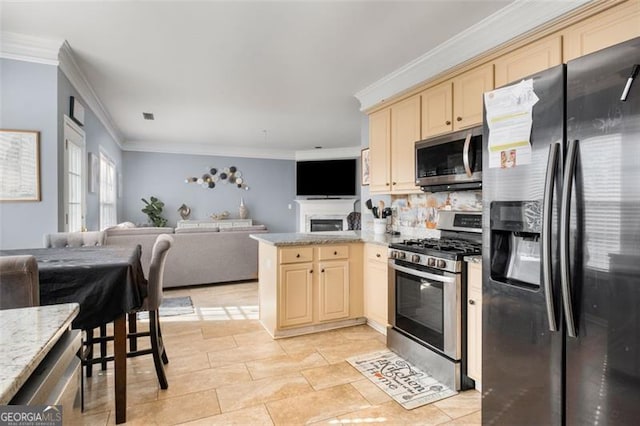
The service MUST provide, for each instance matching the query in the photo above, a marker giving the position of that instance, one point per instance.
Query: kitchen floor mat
(172, 306)
(403, 382)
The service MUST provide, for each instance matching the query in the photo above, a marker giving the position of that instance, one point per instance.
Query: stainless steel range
(427, 308)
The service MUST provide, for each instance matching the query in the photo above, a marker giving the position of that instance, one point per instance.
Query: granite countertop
(338, 237)
(27, 335)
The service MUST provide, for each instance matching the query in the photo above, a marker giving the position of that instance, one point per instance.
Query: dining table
(107, 282)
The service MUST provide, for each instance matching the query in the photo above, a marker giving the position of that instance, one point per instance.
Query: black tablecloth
(106, 281)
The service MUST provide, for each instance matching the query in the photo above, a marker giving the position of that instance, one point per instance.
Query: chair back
(75, 239)
(19, 283)
(156, 270)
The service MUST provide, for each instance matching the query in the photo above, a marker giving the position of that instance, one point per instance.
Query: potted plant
(153, 209)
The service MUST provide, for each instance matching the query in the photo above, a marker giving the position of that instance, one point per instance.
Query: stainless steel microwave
(450, 162)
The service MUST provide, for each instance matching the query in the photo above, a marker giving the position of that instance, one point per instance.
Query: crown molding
(515, 19)
(328, 154)
(69, 66)
(22, 47)
(207, 149)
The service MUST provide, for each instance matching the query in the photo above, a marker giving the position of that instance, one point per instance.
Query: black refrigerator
(561, 250)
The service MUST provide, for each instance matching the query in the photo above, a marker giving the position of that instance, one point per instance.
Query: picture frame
(94, 172)
(76, 111)
(365, 176)
(20, 165)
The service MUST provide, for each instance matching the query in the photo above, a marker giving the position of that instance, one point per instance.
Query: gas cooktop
(448, 245)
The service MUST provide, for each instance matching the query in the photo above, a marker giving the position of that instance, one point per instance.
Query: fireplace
(324, 215)
(323, 225)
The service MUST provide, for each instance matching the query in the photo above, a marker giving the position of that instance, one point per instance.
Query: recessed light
(148, 116)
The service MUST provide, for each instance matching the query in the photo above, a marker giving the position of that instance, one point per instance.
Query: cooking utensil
(369, 204)
(386, 212)
(380, 206)
(375, 212)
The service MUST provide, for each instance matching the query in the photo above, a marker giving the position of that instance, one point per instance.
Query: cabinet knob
(311, 271)
(472, 302)
(394, 183)
(377, 254)
(322, 271)
(335, 253)
(458, 118)
(298, 255)
(387, 184)
(448, 122)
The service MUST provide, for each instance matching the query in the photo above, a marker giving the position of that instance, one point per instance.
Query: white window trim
(71, 126)
(105, 156)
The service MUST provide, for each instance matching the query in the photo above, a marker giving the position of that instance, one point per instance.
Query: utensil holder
(379, 226)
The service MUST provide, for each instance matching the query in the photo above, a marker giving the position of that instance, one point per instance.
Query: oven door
(426, 306)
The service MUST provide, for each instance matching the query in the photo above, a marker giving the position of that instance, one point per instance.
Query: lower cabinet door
(296, 295)
(333, 290)
(376, 284)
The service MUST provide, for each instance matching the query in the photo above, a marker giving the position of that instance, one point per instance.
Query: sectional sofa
(198, 255)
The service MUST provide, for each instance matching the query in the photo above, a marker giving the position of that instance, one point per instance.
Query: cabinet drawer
(375, 253)
(333, 252)
(296, 254)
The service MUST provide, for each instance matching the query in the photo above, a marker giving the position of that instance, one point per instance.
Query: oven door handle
(421, 274)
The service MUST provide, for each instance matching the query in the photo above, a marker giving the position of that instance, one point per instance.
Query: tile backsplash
(417, 214)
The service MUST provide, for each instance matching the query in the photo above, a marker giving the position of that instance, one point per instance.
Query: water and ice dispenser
(515, 242)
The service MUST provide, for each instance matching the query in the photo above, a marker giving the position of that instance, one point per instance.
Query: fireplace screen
(320, 225)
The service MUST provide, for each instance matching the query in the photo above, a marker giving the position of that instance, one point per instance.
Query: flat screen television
(326, 178)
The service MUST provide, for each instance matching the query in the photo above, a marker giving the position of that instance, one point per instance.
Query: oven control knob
(431, 262)
(441, 263)
(415, 258)
(393, 254)
(401, 255)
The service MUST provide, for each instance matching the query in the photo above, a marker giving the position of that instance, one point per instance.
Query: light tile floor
(225, 369)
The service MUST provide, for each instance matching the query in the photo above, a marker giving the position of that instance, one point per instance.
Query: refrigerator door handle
(565, 215)
(627, 87)
(465, 155)
(547, 211)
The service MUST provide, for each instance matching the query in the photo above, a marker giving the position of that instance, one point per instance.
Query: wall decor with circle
(212, 177)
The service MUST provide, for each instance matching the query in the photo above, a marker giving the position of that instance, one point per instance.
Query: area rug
(172, 306)
(403, 382)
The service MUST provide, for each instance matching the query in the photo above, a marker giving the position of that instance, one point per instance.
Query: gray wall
(28, 101)
(271, 183)
(96, 138)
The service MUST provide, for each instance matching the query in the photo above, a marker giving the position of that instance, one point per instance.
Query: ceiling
(244, 76)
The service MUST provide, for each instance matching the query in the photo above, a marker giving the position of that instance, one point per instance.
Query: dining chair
(19, 282)
(83, 239)
(75, 239)
(151, 304)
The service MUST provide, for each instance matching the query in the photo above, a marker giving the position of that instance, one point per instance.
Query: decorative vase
(243, 210)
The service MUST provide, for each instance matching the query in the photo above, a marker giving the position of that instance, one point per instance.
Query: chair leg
(165, 359)
(89, 352)
(157, 350)
(133, 328)
(103, 346)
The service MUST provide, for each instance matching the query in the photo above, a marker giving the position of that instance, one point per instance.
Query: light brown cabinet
(474, 322)
(392, 134)
(455, 104)
(530, 59)
(376, 286)
(306, 287)
(605, 29)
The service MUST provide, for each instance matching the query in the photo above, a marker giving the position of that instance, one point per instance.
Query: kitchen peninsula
(313, 282)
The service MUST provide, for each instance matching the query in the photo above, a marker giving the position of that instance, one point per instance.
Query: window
(108, 212)
(74, 177)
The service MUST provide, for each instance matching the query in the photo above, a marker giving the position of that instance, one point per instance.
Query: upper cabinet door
(405, 131)
(528, 60)
(605, 29)
(468, 89)
(379, 150)
(437, 109)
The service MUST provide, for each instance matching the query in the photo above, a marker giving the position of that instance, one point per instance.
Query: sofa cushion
(244, 228)
(194, 230)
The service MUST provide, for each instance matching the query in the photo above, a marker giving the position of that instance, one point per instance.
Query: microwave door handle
(565, 215)
(465, 154)
(547, 211)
